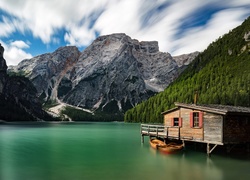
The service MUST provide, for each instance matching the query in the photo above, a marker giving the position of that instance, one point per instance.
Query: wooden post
(167, 133)
(183, 143)
(179, 134)
(208, 150)
(142, 138)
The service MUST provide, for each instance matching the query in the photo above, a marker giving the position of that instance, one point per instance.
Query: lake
(107, 151)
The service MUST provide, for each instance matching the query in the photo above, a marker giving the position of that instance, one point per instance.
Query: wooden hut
(211, 124)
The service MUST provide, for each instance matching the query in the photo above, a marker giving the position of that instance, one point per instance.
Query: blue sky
(33, 27)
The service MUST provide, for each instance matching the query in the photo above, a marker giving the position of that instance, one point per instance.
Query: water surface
(102, 151)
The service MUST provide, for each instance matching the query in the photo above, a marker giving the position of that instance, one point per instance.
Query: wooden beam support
(213, 148)
(209, 151)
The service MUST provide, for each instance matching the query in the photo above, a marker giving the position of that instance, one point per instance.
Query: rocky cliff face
(185, 59)
(3, 69)
(18, 98)
(46, 71)
(114, 70)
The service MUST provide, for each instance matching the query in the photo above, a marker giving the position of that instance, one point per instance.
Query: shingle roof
(215, 108)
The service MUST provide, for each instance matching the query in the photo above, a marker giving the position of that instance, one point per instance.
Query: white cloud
(6, 27)
(197, 39)
(141, 19)
(14, 52)
(45, 18)
(122, 16)
(79, 35)
(19, 44)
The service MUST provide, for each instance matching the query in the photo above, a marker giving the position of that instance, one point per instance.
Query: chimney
(195, 97)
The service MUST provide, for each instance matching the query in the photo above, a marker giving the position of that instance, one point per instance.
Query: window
(176, 121)
(196, 119)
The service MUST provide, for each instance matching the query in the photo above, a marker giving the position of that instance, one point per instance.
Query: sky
(32, 27)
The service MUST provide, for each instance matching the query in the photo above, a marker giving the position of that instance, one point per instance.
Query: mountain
(18, 98)
(46, 71)
(113, 74)
(219, 75)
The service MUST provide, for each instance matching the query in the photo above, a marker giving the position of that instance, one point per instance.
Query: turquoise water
(106, 151)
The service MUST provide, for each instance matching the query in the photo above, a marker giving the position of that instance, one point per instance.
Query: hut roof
(214, 108)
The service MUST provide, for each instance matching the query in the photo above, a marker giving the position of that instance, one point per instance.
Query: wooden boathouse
(211, 124)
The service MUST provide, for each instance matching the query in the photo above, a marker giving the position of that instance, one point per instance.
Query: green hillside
(220, 75)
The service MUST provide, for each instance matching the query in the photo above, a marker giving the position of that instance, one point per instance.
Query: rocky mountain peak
(47, 70)
(115, 72)
(113, 41)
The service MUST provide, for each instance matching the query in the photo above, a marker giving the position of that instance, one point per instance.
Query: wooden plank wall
(213, 127)
(236, 129)
(186, 131)
(167, 117)
(173, 132)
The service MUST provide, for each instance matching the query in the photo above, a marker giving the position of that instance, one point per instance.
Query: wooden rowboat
(169, 148)
(156, 143)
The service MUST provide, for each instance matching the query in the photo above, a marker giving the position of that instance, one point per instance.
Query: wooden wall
(186, 132)
(174, 131)
(236, 129)
(213, 127)
(167, 117)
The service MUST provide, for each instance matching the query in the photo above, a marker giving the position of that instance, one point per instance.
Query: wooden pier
(170, 133)
(160, 131)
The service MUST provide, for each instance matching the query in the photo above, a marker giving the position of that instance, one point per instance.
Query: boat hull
(170, 148)
(156, 143)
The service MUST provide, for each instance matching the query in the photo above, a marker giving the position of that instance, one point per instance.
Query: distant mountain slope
(18, 97)
(220, 75)
(113, 74)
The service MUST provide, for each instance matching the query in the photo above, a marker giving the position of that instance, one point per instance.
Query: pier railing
(160, 131)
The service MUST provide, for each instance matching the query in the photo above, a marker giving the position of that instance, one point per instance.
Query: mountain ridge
(114, 69)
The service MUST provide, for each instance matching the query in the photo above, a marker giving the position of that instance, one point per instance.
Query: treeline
(220, 75)
(79, 115)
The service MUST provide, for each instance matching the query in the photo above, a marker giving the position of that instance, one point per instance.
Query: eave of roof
(202, 108)
(170, 110)
(213, 108)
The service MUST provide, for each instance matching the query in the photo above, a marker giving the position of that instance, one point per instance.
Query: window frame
(196, 119)
(174, 122)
